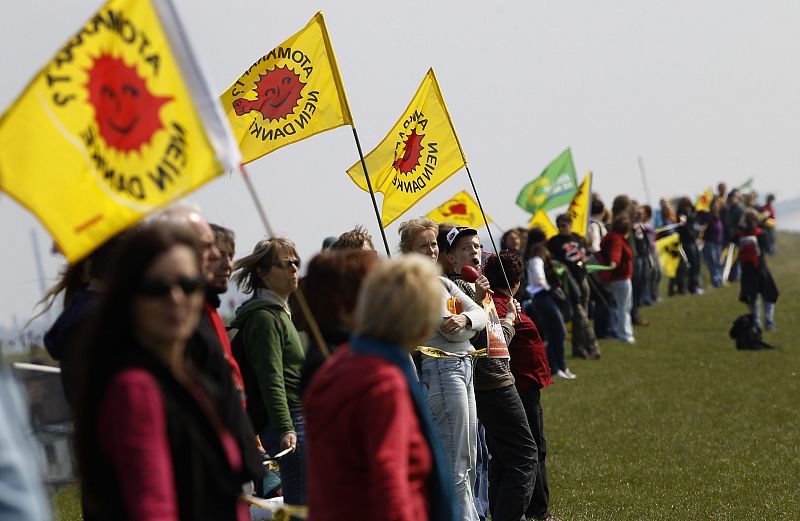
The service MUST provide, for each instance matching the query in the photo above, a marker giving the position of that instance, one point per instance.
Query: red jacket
(616, 249)
(367, 457)
(528, 357)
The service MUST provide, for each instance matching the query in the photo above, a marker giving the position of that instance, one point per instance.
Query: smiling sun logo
(278, 92)
(126, 112)
(407, 156)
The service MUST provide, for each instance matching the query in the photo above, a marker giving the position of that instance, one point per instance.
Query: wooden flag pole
(316, 334)
(486, 222)
(371, 191)
(644, 181)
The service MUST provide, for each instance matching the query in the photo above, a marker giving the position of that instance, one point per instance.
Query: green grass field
(682, 425)
(679, 426)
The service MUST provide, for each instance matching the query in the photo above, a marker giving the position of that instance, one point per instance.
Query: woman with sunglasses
(150, 439)
(271, 357)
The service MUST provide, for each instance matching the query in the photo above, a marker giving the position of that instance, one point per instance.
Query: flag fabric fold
(461, 209)
(542, 221)
(291, 93)
(554, 187)
(119, 123)
(420, 152)
(580, 207)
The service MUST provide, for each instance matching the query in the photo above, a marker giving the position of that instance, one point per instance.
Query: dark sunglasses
(163, 287)
(287, 263)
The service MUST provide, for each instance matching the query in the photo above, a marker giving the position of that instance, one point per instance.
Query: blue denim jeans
(293, 465)
(448, 382)
(712, 253)
(622, 293)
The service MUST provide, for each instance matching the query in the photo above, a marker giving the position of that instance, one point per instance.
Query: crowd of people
(368, 381)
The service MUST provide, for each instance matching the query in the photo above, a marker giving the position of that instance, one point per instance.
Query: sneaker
(560, 375)
(569, 374)
(770, 326)
(698, 291)
(629, 340)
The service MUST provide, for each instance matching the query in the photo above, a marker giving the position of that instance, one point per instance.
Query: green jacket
(274, 357)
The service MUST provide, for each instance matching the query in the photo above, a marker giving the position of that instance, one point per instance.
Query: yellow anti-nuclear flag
(703, 203)
(291, 93)
(419, 153)
(579, 207)
(119, 123)
(670, 253)
(542, 221)
(461, 210)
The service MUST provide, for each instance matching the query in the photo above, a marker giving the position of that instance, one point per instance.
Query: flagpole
(301, 299)
(486, 222)
(371, 191)
(644, 181)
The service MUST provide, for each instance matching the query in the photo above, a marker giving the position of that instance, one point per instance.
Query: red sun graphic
(277, 94)
(411, 152)
(125, 110)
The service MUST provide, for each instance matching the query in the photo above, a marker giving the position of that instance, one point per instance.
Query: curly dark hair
(512, 263)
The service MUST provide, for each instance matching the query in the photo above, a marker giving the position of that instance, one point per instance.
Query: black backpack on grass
(747, 334)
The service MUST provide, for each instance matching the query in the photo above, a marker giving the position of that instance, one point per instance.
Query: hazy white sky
(703, 91)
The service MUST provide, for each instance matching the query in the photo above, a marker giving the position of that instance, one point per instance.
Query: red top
(367, 457)
(528, 357)
(222, 335)
(132, 428)
(616, 249)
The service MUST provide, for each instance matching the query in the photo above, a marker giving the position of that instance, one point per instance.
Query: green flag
(746, 186)
(554, 187)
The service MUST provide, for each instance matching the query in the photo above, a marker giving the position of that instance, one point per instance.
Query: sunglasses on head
(158, 287)
(287, 263)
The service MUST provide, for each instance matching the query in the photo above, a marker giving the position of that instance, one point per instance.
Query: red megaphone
(469, 273)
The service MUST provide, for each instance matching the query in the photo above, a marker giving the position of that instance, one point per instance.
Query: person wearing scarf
(373, 450)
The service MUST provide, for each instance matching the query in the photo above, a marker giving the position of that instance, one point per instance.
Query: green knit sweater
(276, 354)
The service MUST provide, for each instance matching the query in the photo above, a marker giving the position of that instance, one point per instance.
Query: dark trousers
(639, 284)
(693, 269)
(539, 506)
(513, 452)
(548, 319)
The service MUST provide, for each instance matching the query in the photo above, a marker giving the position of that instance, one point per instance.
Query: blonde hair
(410, 229)
(400, 301)
(265, 254)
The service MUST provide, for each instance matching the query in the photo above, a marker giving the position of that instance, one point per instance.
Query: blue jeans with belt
(448, 382)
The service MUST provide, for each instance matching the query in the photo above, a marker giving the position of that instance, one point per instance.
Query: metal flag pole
(644, 181)
(371, 191)
(486, 222)
(316, 334)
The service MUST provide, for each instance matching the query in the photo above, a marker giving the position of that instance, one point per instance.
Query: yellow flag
(542, 221)
(461, 210)
(291, 93)
(703, 203)
(670, 253)
(119, 123)
(579, 207)
(418, 154)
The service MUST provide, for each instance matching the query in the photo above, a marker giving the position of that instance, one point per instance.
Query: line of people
(384, 405)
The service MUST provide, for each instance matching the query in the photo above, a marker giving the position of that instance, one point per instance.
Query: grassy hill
(681, 425)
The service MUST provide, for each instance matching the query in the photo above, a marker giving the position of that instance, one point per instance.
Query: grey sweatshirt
(458, 342)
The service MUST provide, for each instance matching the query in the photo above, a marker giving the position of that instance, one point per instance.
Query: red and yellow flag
(703, 203)
(417, 155)
(461, 209)
(118, 124)
(542, 221)
(580, 206)
(293, 92)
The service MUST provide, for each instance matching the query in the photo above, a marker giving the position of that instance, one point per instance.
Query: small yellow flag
(579, 207)
(542, 221)
(703, 203)
(119, 123)
(291, 93)
(461, 210)
(670, 253)
(419, 153)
